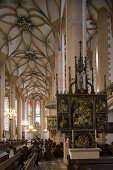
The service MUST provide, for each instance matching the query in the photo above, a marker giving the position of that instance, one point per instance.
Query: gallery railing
(109, 91)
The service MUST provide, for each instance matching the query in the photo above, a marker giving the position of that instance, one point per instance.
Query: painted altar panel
(62, 104)
(63, 121)
(84, 139)
(101, 104)
(101, 120)
(82, 112)
(51, 122)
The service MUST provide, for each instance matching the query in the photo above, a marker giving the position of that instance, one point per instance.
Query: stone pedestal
(84, 153)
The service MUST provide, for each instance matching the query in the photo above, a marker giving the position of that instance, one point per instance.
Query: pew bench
(14, 163)
(103, 163)
(3, 157)
(33, 162)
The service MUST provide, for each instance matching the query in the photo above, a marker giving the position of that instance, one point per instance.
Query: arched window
(6, 110)
(38, 112)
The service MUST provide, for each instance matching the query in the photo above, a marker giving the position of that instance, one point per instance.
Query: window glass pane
(6, 109)
(38, 108)
(38, 119)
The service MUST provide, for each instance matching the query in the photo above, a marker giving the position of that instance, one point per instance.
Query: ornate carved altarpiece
(82, 111)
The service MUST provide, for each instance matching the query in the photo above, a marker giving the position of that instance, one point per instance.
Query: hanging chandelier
(11, 114)
(24, 123)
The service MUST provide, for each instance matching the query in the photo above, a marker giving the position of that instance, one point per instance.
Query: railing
(109, 91)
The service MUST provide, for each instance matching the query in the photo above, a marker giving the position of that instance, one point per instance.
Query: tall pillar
(2, 96)
(60, 70)
(19, 113)
(84, 28)
(41, 117)
(73, 35)
(23, 116)
(103, 63)
(12, 107)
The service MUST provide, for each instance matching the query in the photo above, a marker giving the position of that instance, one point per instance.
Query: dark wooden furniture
(33, 162)
(103, 163)
(3, 157)
(14, 163)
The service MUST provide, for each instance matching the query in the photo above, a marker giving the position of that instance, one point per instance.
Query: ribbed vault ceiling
(27, 31)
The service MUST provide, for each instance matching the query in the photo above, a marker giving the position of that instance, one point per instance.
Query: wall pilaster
(73, 35)
(2, 96)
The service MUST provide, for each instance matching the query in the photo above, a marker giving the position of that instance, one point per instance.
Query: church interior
(56, 84)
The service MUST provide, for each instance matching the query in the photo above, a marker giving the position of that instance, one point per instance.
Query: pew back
(15, 162)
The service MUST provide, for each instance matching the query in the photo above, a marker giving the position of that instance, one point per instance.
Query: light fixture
(45, 130)
(34, 130)
(30, 127)
(11, 113)
(24, 123)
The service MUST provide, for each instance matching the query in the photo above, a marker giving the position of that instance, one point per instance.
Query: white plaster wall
(109, 138)
(110, 116)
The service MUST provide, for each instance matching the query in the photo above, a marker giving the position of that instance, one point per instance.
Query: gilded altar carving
(63, 121)
(82, 112)
(101, 121)
(63, 104)
(101, 105)
(84, 139)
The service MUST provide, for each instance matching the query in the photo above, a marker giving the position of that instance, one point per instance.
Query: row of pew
(25, 157)
(52, 149)
(11, 143)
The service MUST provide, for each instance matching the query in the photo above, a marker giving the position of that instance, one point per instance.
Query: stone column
(2, 96)
(73, 35)
(60, 71)
(103, 69)
(12, 107)
(41, 117)
(19, 115)
(84, 28)
(23, 116)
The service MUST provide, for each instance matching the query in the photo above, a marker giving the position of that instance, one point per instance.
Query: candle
(95, 138)
(95, 135)
(72, 138)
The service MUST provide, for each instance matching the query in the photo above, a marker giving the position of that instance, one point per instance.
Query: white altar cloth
(84, 153)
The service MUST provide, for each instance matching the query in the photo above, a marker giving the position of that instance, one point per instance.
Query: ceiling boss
(30, 56)
(24, 24)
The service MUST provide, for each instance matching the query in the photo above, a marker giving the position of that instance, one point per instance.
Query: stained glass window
(6, 109)
(29, 110)
(38, 112)
(38, 108)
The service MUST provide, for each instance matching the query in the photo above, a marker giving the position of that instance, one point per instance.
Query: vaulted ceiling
(27, 43)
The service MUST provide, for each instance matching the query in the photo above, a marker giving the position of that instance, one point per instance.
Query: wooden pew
(3, 157)
(33, 162)
(14, 163)
(103, 163)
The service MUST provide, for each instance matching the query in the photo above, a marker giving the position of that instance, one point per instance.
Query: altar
(81, 113)
(84, 153)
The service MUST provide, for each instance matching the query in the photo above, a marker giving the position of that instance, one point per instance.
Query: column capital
(13, 78)
(19, 91)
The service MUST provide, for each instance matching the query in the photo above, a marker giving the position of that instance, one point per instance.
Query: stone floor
(55, 164)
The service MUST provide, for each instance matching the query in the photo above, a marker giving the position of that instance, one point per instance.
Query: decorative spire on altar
(81, 81)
